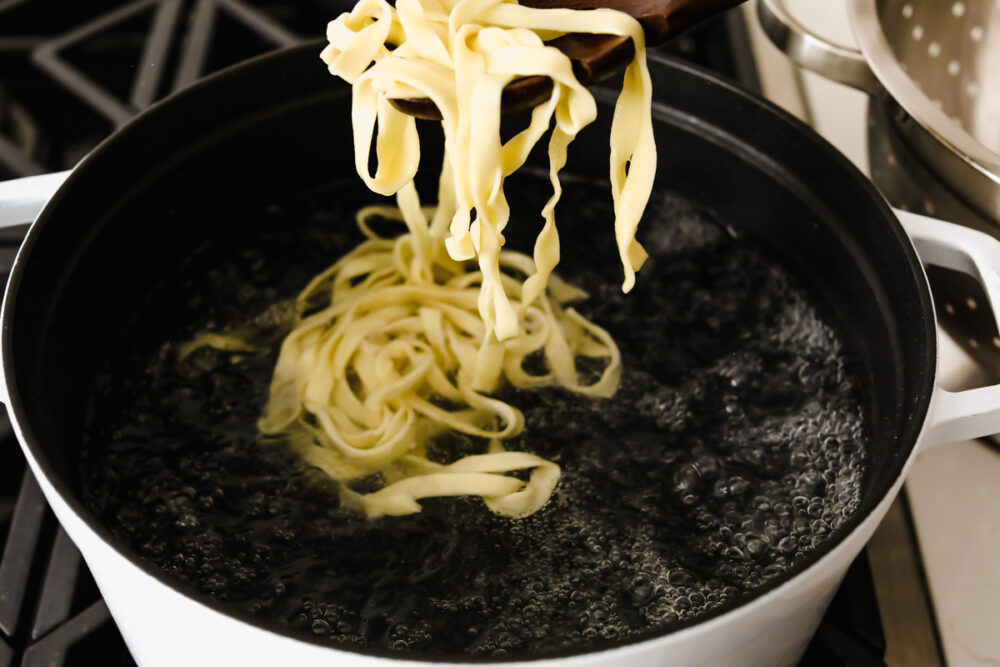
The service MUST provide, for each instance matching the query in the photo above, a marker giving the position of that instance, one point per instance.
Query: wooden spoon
(595, 57)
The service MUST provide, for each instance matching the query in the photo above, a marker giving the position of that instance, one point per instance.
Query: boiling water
(734, 448)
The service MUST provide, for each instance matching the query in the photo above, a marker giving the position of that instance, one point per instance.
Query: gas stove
(70, 73)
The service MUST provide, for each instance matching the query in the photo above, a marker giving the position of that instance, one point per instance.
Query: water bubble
(756, 548)
(680, 577)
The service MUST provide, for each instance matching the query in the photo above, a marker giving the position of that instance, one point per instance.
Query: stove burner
(148, 61)
(70, 73)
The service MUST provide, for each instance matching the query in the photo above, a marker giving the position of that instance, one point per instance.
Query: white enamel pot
(123, 218)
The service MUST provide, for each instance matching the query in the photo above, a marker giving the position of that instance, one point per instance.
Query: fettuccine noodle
(461, 55)
(410, 339)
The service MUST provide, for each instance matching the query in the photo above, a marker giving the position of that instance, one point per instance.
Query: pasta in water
(405, 338)
(365, 382)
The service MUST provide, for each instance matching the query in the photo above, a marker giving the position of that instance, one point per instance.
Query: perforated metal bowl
(936, 63)
(951, 51)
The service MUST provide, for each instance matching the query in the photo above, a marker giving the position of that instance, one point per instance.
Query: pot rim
(836, 543)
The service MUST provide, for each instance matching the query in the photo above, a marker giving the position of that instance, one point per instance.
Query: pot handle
(22, 199)
(973, 413)
(807, 49)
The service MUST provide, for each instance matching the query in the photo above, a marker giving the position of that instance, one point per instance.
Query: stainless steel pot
(935, 64)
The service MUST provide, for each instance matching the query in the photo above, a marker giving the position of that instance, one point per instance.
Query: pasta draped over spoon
(409, 336)
(462, 55)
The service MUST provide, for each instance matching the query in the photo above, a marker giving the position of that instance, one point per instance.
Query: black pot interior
(281, 124)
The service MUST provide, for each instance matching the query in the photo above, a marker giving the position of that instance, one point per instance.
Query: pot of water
(779, 359)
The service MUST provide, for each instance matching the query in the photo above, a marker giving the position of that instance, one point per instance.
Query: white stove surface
(953, 490)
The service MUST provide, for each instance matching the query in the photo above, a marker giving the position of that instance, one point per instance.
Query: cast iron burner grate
(70, 73)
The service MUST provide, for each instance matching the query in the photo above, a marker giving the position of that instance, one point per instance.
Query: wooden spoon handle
(661, 19)
(595, 57)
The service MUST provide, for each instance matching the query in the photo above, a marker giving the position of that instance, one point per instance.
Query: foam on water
(734, 448)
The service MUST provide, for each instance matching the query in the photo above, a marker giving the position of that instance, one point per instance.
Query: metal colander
(936, 66)
(951, 51)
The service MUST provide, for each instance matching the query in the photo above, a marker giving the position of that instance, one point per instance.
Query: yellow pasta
(395, 357)
(414, 333)
(461, 55)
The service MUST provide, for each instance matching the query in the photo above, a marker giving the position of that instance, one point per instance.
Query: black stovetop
(70, 73)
